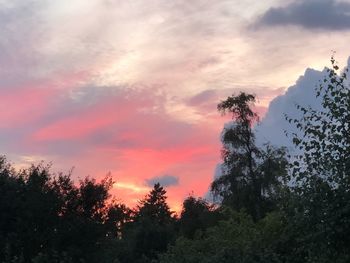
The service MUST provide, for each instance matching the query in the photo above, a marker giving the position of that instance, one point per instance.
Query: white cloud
(273, 125)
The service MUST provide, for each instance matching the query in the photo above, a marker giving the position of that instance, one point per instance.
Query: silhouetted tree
(153, 226)
(118, 215)
(250, 175)
(46, 218)
(92, 197)
(197, 214)
(154, 206)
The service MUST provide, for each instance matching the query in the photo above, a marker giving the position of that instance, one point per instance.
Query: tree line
(271, 206)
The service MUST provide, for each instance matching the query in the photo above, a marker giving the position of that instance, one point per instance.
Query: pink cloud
(127, 132)
(83, 120)
(20, 106)
(28, 102)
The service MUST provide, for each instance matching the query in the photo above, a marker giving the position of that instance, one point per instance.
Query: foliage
(238, 239)
(325, 134)
(197, 215)
(321, 171)
(118, 215)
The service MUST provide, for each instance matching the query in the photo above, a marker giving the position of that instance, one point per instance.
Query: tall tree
(250, 175)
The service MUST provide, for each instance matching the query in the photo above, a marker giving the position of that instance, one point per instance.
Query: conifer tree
(154, 205)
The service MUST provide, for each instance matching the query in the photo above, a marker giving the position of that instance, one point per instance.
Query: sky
(130, 87)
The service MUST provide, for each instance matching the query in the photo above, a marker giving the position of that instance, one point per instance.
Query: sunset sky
(130, 87)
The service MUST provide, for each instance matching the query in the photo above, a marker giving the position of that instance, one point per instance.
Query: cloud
(273, 126)
(22, 37)
(118, 117)
(310, 14)
(165, 180)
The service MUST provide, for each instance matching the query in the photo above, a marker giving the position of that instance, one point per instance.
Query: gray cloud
(165, 180)
(310, 14)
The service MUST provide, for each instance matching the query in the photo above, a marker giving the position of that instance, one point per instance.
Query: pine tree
(154, 206)
(152, 228)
